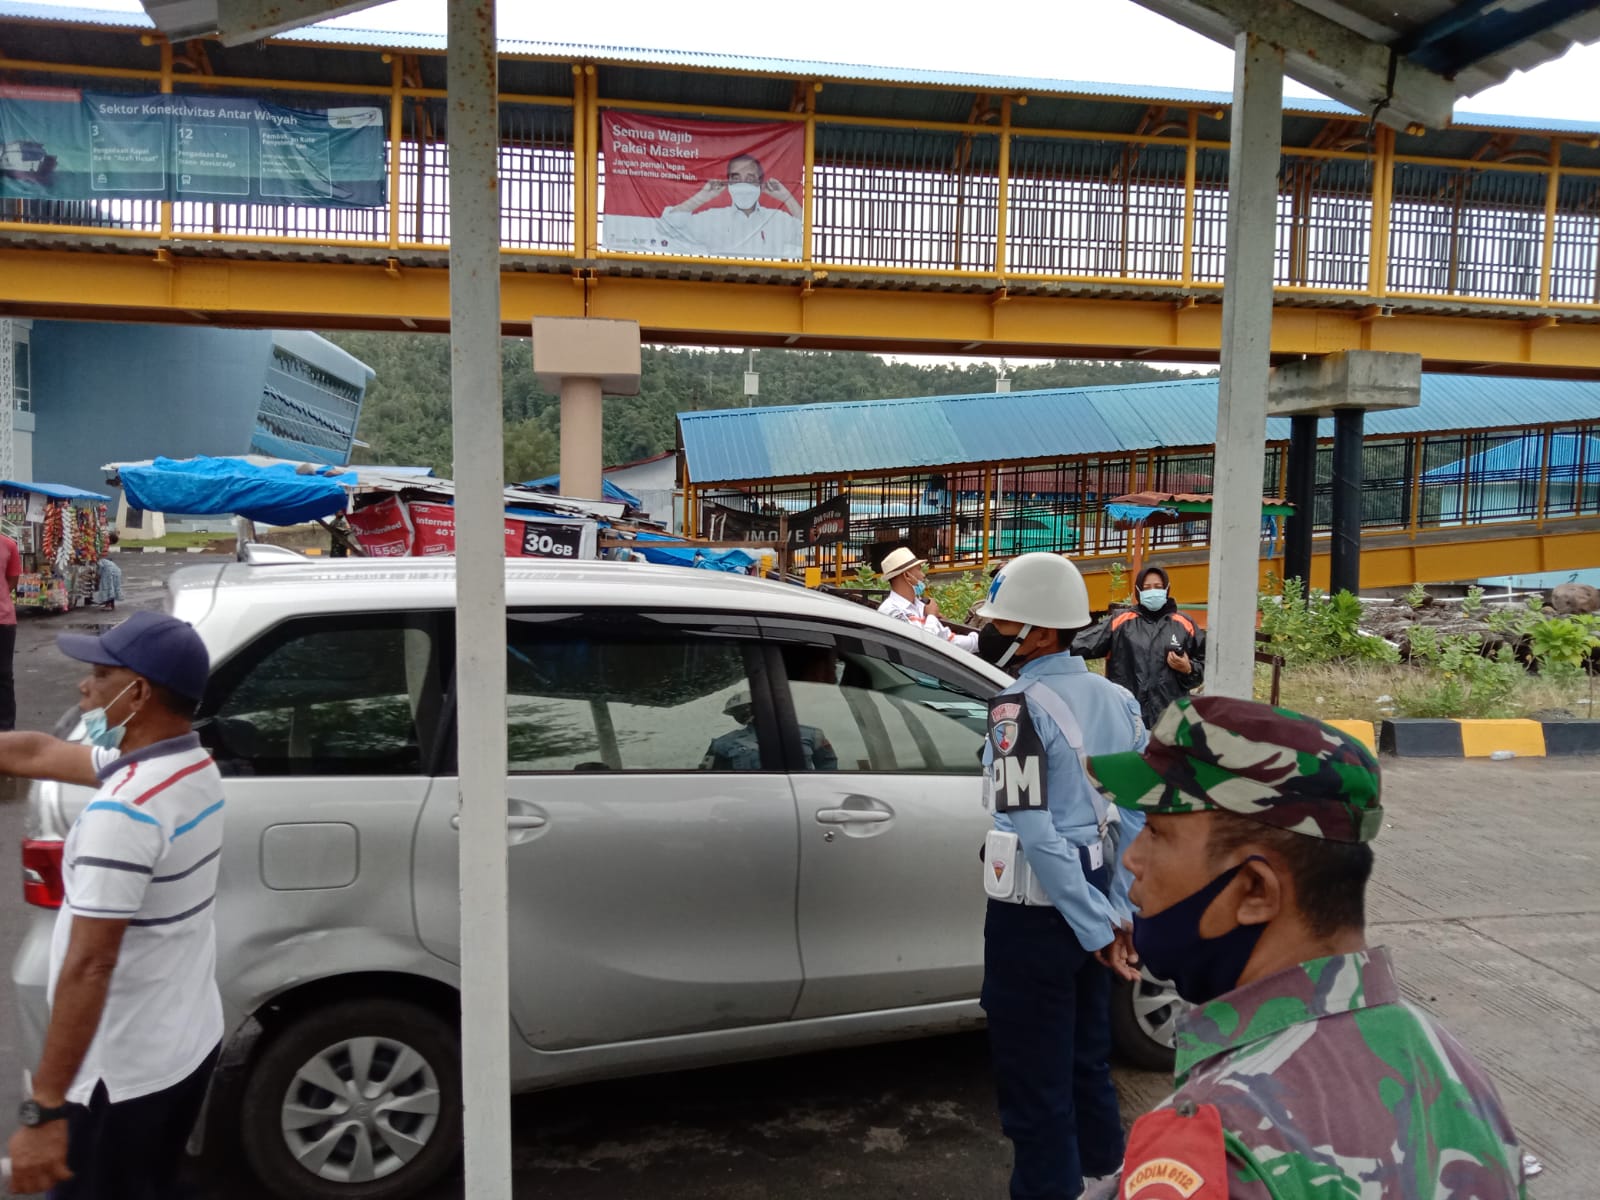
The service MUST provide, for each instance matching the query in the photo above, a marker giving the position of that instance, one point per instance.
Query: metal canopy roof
(533, 53)
(1405, 61)
(796, 441)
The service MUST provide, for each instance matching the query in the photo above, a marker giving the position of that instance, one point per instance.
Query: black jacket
(1135, 645)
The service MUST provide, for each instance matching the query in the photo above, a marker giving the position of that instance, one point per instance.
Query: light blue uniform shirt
(1110, 720)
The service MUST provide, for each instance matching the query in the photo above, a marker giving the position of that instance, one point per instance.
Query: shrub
(1319, 628)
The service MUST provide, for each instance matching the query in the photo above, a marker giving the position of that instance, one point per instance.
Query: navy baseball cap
(163, 649)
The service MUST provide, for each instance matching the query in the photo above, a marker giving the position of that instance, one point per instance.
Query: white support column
(1253, 154)
(474, 134)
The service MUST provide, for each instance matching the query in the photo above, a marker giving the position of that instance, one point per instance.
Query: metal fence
(965, 517)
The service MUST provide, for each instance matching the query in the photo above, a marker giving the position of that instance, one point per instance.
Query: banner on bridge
(705, 189)
(67, 144)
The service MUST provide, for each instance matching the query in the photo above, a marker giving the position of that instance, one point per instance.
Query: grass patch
(181, 540)
(1356, 691)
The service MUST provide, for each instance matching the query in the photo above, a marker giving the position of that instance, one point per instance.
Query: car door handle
(513, 821)
(853, 816)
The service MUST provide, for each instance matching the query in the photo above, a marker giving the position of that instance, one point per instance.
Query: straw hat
(900, 561)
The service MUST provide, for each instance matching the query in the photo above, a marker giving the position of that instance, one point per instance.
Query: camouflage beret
(1214, 753)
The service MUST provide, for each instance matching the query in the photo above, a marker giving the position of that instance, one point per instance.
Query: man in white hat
(904, 572)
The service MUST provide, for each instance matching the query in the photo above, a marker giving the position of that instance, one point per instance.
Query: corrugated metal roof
(388, 39)
(987, 427)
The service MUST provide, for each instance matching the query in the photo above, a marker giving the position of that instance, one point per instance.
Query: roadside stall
(62, 534)
(375, 512)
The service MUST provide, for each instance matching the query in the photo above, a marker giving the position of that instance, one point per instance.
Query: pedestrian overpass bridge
(933, 212)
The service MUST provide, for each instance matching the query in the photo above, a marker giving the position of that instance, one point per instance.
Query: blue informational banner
(66, 144)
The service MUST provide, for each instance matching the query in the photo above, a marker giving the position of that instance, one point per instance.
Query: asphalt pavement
(1487, 888)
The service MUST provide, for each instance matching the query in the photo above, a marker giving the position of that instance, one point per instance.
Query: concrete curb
(1419, 738)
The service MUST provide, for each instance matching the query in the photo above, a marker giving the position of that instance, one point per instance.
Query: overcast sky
(1104, 41)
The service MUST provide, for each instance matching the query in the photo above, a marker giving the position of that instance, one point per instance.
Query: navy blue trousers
(1049, 1007)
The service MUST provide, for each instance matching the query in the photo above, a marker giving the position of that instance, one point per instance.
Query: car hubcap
(1157, 1008)
(360, 1109)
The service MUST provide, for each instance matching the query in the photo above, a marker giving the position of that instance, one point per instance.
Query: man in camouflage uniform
(1301, 1074)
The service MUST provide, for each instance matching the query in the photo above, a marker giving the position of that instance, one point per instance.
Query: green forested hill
(406, 418)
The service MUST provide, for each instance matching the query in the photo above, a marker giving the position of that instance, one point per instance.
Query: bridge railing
(994, 198)
(963, 517)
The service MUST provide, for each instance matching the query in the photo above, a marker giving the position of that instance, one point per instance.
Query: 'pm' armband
(1018, 774)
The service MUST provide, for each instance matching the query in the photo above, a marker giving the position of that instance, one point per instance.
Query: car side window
(880, 715)
(586, 699)
(329, 696)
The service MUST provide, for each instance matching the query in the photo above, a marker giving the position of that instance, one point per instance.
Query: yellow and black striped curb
(1416, 737)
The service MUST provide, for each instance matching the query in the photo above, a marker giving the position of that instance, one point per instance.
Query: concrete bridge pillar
(581, 359)
(1345, 386)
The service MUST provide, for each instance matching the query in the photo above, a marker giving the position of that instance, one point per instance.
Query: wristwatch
(32, 1114)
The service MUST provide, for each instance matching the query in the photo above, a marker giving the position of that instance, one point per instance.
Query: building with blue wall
(99, 393)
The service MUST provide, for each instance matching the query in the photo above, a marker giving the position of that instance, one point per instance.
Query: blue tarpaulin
(274, 495)
(612, 492)
(672, 553)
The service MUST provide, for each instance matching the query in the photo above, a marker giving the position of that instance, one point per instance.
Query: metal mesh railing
(963, 516)
(905, 198)
(1099, 209)
(1324, 222)
(1466, 231)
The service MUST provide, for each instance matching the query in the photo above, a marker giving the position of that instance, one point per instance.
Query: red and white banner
(434, 529)
(382, 530)
(704, 189)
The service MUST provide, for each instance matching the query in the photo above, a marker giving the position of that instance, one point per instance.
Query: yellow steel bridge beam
(380, 294)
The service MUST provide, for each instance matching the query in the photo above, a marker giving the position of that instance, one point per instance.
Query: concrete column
(1343, 386)
(581, 359)
(581, 438)
(1303, 495)
(1255, 144)
(1344, 563)
(476, 419)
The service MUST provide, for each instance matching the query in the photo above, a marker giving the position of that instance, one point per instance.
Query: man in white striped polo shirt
(135, 1017)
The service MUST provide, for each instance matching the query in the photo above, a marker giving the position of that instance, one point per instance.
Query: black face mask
(995, 647)
(1200, 968)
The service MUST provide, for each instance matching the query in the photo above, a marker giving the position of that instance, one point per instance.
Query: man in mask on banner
(1057, 898)
(908, 601)
(1154, 650)
(135, 1015)
(744, 227)
(1302, 1072)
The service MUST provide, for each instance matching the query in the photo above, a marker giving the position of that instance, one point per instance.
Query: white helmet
(1040, 590)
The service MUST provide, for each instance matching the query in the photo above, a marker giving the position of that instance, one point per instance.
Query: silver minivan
(742, 820)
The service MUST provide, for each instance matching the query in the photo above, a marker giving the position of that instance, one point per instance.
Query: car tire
(1143, 1022)
(388, 1075)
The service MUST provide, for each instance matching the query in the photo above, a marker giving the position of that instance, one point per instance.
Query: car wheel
(357, 1101)
(1144, 1021)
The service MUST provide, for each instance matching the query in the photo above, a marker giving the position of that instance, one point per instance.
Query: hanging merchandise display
(62, 533)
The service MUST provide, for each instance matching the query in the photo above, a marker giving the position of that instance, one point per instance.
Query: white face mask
(744, 195)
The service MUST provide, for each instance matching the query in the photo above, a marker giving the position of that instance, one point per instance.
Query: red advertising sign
(433, 529)
(543, 539)
(719, 189)
(382, 530)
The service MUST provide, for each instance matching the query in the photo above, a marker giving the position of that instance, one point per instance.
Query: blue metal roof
(1523, 458)
(56, 491)
(389, 39)
(988, 427)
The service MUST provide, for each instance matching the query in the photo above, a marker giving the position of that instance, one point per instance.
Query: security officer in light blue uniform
(740, 750)
(1058, 894)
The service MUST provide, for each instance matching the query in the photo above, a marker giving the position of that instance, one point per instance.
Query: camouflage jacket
(1331, 1087)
